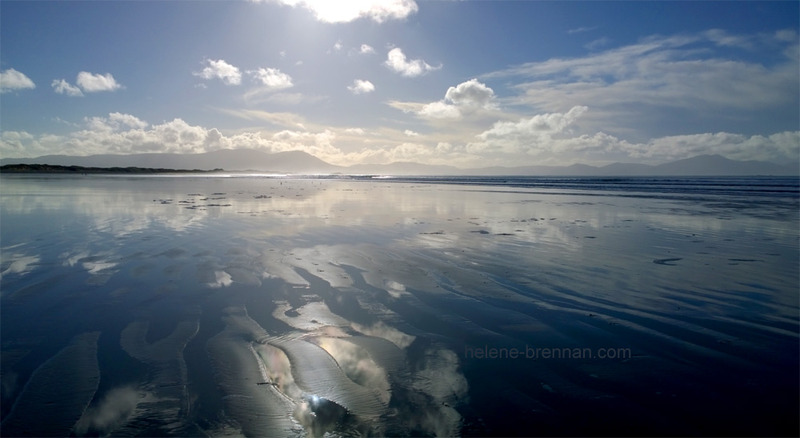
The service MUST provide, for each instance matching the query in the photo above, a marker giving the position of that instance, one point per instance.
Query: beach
(299, 306)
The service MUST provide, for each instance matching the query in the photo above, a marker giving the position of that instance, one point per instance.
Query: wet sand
(264, 306)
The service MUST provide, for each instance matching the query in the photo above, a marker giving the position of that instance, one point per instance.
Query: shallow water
(278, 306)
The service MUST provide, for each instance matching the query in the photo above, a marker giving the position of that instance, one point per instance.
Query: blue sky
(467, 83)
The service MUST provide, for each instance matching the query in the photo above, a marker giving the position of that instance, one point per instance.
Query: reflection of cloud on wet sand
(395, 289)
(440, 378)
(16, 263)
(312, 316)
(117, 405)
(357, 365)
(99, 266)
(391, 334)
(221, 279)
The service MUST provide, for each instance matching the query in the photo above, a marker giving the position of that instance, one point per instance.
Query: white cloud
(17, 144)
(92, 83)
(63, 87)
(396, 60)
(537, 126)
(342, 12)
(470, 93)
(320, 144)
(86, 83)
(264, 94)
(220, 69)
(464, 98)
(366, 49)
(548, 138)
(440, 110)
(581, 30)
(597, 44)
(126, 134)
(11, 80)
(273, 78)
(722, 38)
(361, 86)
(115, 121)
(786, 35)
(673, 80)
(532, 135)
(779, 147)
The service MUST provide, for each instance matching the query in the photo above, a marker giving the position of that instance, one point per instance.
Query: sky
(464, 83)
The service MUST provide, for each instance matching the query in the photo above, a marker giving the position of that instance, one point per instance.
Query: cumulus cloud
(272, 78)
(470, 93)
(114, 122)
(63, 87)
(86, 83)
(361, 86)
(219, 69)
(11, 80)
(342, 12)
(92, 83)
(366, 49)
(440, 110)
(536, 126)
(396, 61)
(540, 135)
(464, 98)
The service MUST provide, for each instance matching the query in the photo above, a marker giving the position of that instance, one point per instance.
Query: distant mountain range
(297, 162)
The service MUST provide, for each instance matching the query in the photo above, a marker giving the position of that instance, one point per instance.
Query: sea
(352, 305)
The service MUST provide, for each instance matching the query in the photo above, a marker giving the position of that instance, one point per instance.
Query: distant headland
(50, 168)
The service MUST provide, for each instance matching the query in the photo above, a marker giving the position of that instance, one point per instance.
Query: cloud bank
(546, 138)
